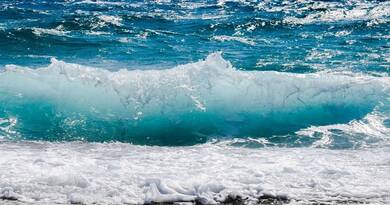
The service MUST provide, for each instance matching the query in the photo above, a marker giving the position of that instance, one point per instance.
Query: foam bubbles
(365, 12)
(114, 20)
(235, 38)
(58, 31)
(122, 173)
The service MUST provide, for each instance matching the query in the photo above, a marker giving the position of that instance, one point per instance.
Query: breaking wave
(185, 105)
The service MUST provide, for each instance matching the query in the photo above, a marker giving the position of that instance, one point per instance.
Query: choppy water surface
(294, 36)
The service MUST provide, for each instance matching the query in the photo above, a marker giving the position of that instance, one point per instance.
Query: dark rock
(268, 199)
(8, 198)
(233, 200)
(265, 199)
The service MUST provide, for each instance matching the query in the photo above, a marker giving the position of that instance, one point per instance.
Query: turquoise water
(282, 73)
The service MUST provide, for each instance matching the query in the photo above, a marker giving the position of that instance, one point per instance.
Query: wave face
(185, 105)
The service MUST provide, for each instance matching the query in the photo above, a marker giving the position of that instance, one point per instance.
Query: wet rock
(8, 198)
(268, 199)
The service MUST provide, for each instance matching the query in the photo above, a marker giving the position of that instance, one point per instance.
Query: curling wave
(184, 105)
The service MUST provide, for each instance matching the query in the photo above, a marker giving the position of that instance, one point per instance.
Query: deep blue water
(341, 48)
(291, 36)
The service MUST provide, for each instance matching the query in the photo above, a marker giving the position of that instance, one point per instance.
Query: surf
(184, 105)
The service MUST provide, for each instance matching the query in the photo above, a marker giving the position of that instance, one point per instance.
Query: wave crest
(184, 105)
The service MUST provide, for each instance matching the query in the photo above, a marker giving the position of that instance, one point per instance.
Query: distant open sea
(202, 102)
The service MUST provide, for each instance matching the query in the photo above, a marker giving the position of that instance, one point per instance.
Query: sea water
(116, 102)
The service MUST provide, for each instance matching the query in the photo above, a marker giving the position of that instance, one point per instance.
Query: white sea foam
(106, 19)
(58, 31)
(121, 173)
(97, 33)
(316, 54)
(234, 38)
(361, 12)
(369, 131)
(124, 40)
(117, 3)
(6, 127)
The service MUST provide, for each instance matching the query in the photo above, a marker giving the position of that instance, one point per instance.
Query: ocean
(202, 102)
